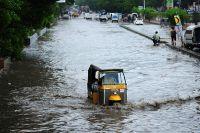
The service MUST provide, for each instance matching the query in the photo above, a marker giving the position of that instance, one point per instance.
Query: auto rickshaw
(106, 86)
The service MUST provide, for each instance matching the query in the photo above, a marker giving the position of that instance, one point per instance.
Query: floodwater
(46, 91)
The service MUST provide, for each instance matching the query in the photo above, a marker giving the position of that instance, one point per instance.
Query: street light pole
(144, 4)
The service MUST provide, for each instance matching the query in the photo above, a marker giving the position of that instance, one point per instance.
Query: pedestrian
(173, 36)
(161, 22)
(129, 18)
(156, 39)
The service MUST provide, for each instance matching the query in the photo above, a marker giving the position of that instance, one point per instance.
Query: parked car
(103, 18)
(138, 21)
(114, 18)
(88, 16)
(96, 16)
(192, 37)
(65, 16)
(108, 15)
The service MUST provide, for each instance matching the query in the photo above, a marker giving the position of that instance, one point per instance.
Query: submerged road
(46, 91)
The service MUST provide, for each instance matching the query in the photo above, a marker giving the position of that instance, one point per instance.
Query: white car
(114, 18)
(138, 21)
(96, 16)
(88, 16)
(103, 18)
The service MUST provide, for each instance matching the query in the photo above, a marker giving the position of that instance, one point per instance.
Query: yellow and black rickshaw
(106, 86)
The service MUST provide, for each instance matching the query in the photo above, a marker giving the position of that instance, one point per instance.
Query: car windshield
(188, 31)
(112, 78)
(114, 16)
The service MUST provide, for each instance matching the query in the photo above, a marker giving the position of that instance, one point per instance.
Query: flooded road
(46, 91)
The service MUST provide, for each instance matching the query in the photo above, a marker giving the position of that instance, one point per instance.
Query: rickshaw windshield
(112, 78)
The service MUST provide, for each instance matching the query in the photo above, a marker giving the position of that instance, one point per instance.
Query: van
(192, 37)
(114, 18)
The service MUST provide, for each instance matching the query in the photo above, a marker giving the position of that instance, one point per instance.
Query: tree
(18, 18)
(176, 11)
(136, 10)
(149, 13)
(12, 32)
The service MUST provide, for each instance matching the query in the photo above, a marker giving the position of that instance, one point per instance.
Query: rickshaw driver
(95, 85)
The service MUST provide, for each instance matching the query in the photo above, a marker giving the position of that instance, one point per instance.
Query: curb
(139, 33)
(129, 29)
(180, 49)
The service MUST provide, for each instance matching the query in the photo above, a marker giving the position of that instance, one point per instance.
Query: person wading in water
(173, 36)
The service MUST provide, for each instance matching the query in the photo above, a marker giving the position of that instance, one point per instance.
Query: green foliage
(176, 11)
(149, 13)
(136, 10)
(124, 6)
(18, 18)
(11, 30)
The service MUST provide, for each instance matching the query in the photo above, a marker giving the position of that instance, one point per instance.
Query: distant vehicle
(114, 18)
(103, 18)
(96, 16)
(75, 14)
(108, 15)
(88, 16)
(65, 16)
(134, 16)
(138, 21)
(192, 37)
(106, 86)
(190, 11)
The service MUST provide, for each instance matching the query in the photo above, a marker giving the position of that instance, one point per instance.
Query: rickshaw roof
(95, 68)
(111, 70)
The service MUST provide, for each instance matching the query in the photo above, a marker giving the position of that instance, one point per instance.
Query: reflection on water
(46, 91)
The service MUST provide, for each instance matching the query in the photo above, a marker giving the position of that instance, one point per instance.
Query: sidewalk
(147, 30)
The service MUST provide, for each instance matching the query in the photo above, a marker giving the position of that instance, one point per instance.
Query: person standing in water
(173, 36)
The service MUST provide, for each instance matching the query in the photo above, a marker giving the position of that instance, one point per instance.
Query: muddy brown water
(46, 91)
